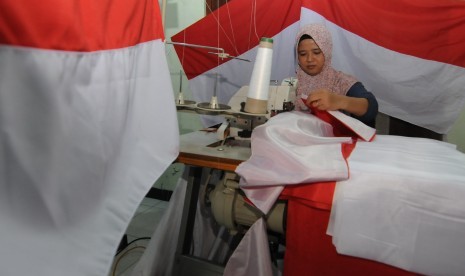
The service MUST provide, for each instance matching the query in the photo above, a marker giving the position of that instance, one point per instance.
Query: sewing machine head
(281, 99)
(240, 123)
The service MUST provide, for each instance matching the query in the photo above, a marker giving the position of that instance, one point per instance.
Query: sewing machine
(224, 149)
(402, 149)
(239, 123)
(232, 142)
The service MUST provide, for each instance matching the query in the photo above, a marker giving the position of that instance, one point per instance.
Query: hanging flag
(409, 53)
(87, 125)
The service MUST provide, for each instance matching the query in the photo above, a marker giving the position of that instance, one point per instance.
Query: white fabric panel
(236, 73)
(403, 205)
(423, 92)
(363, 131)
(83, 137)
(252, 255)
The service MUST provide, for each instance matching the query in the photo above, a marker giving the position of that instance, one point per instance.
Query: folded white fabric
(291, 148)
(403, 205)
(257, 261)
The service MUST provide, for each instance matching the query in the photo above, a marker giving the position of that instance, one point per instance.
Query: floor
(138, 234)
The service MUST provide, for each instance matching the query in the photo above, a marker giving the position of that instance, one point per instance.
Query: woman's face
(311, 58)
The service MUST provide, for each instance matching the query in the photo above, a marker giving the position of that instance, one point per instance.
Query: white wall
(180, 14)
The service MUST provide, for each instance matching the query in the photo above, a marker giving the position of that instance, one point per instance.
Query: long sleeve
(359, 91)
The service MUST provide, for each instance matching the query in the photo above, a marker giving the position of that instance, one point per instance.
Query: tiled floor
(138, 233)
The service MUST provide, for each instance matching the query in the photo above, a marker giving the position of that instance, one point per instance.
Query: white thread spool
(257, 97)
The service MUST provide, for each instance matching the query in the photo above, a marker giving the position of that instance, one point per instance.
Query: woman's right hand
(323, 99)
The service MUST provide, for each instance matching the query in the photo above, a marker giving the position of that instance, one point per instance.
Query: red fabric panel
(79, 25)
(240, 22)
(319, 195)
(428, 29)
(309, 250)
(339, 128)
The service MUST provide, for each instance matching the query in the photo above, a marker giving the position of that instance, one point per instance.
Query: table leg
(186, 264)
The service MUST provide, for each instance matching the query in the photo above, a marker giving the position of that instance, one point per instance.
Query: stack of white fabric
(403, 205)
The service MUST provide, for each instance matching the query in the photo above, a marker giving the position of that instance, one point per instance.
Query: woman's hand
(323, 99)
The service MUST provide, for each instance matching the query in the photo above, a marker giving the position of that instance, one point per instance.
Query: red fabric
(243, 23)
(339, 128)
(428, 29)
(309, 250)
(403, 25)
(84, 25)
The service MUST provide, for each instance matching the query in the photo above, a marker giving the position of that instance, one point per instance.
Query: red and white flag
(87, 124)
(409, 53)
(237, 28)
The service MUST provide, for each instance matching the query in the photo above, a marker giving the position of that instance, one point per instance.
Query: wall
(179, 15)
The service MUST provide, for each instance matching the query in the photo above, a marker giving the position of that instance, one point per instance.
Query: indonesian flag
(87, 124)
(409, 53)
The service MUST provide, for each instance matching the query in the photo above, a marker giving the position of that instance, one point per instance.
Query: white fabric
(256, 262)
(363, 131)
(208, 243)
(158, 258)
(291, 148)
(403, 205)
(83, 136)
(398, 80)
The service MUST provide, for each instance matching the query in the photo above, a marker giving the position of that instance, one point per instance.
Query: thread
(257, 96)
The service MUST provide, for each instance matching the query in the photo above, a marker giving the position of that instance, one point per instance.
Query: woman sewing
(326, 88)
